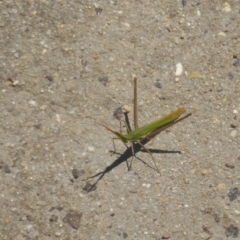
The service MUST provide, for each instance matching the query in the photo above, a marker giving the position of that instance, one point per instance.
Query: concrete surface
(62, 61)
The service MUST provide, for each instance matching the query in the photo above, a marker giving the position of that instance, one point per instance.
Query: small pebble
(104, 80)
(195, 75)
(186, 180)
(204, 172)
(127, 25)
(237, 212)
(221, 186)
(73, 219)
(182, 20)
(222, 34)
(166, 235)
(15, 83)
(49, 78)
(233, 125)
(77, 173)
(233, 133)
(95, 56)
(235, 111)
(43, 107)
(147, 185)
(179, 69)
(229, 166)
(91, 149)
(58, 234)
(158, 84)
(233, 194)
(33, 103)
(236, 62)
(58, 118)
(125, 235)
(111, 59)
(226, 7)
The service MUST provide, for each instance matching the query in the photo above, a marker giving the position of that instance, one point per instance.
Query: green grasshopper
(148, 131)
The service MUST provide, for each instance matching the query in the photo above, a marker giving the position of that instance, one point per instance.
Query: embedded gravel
(65, 61)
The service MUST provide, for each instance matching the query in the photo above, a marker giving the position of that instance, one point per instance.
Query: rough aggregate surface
(65, 61)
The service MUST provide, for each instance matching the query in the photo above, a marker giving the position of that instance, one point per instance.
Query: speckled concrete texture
(65, 61)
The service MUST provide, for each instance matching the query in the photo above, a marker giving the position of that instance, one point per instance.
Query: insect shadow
(124, 158)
